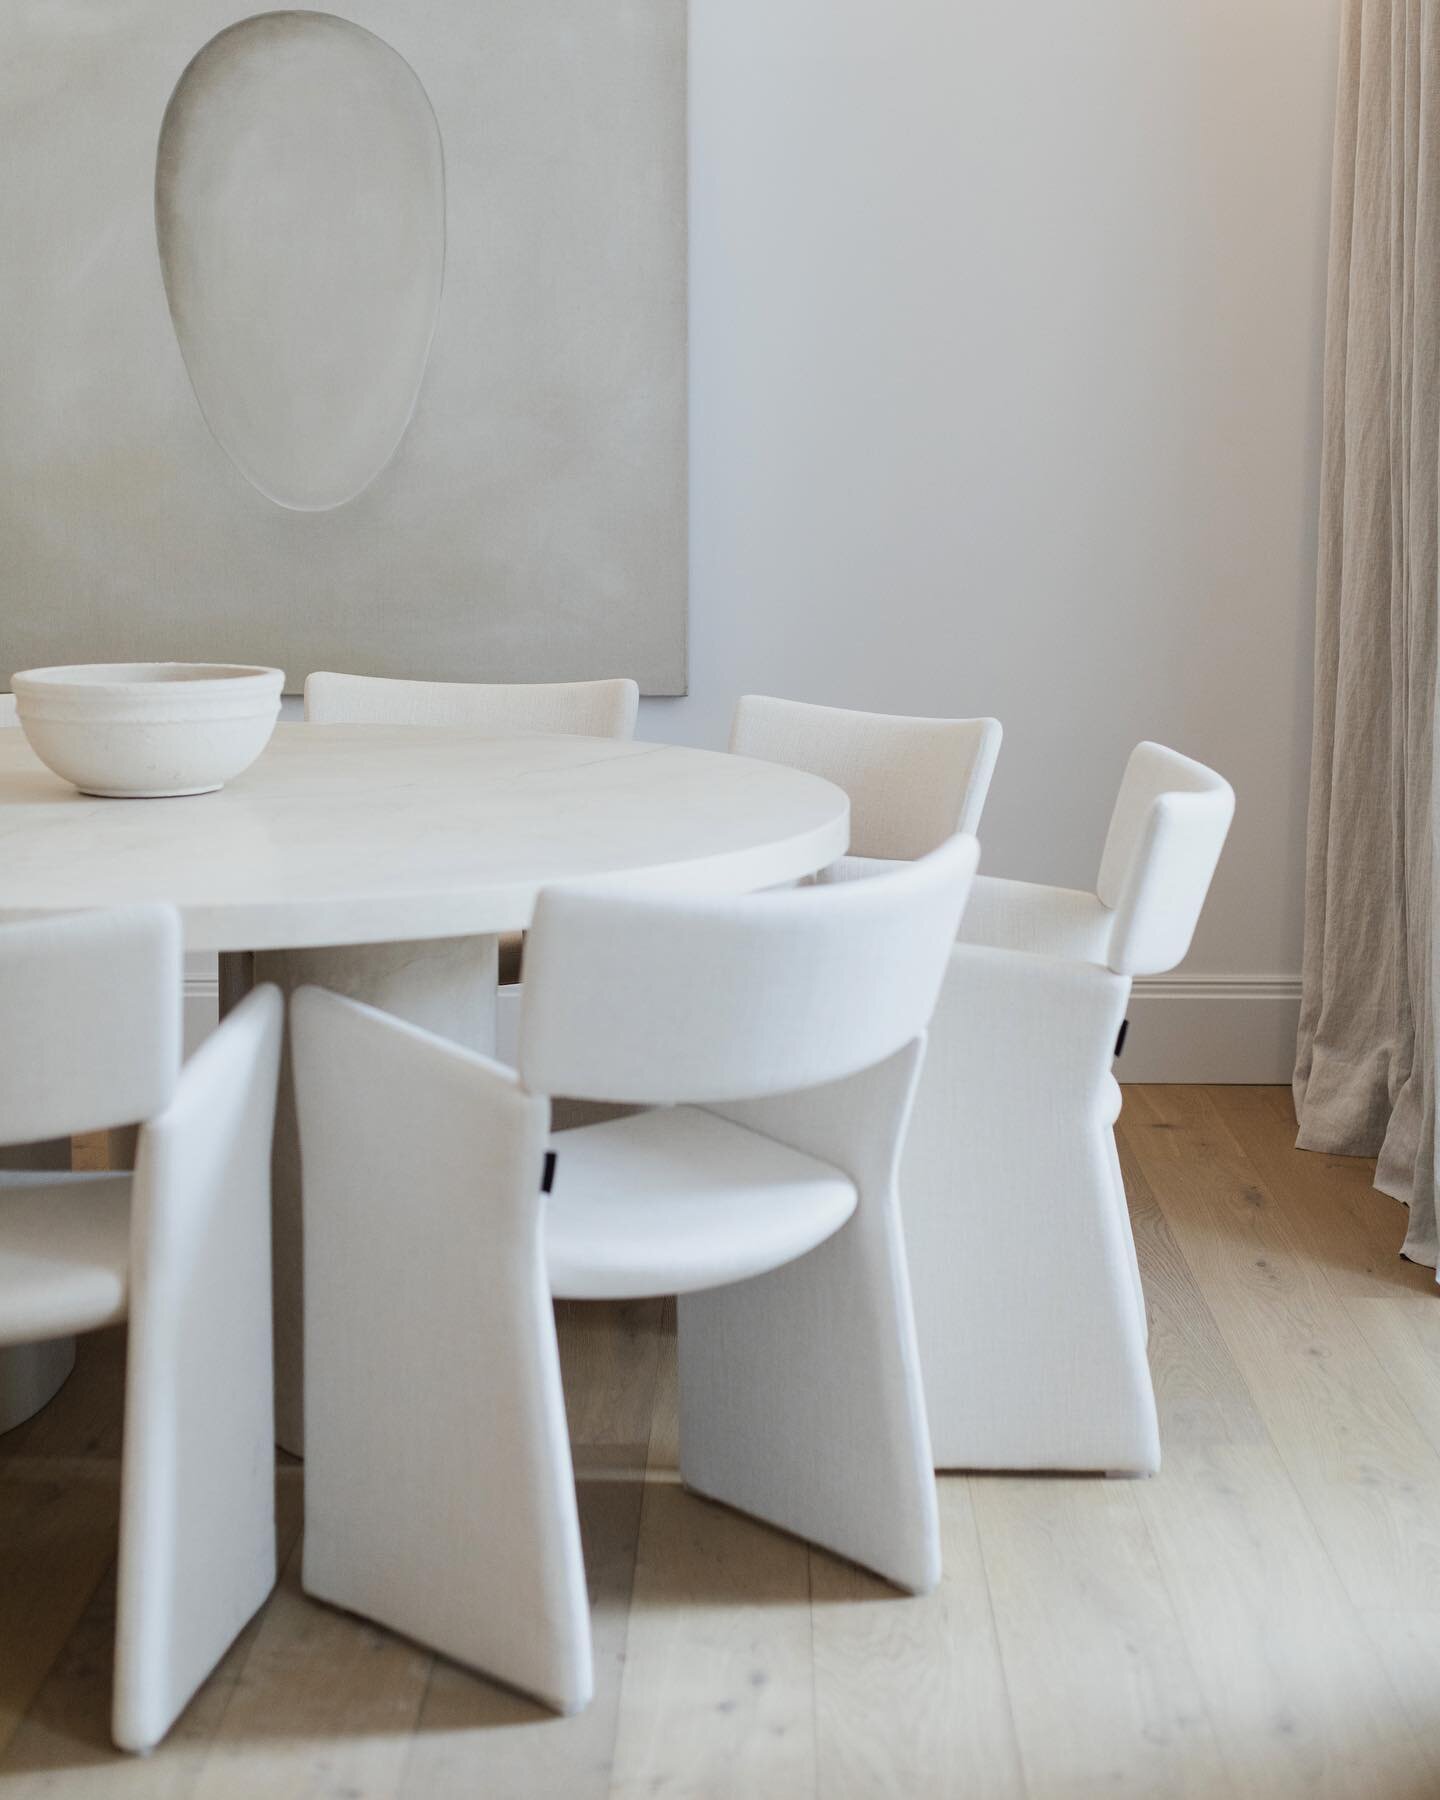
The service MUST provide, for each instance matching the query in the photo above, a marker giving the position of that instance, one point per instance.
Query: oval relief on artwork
(300, 220)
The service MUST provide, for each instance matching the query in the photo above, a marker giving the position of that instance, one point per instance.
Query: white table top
(350, 834)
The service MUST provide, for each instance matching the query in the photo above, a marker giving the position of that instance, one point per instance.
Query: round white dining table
(384, 862)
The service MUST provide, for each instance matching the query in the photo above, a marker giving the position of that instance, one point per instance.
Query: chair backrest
(573, 708)
(89, 1021)
(8, 714)
(912, 782)
(643, 997)
(1166, 834)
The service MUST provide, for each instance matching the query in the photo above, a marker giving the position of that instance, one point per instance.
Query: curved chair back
(89, 1021)
(912, 782)
(1166, 834)
(648, 998)
(573, 708)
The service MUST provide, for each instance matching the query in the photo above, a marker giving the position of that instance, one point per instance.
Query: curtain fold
(1365, 1067)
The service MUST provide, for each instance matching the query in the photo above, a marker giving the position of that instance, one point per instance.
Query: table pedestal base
(32, 1374)
(446, 985)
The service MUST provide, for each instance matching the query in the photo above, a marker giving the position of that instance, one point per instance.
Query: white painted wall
(1006, 332)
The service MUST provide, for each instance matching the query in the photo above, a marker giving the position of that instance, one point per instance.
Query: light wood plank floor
(1262, 1619)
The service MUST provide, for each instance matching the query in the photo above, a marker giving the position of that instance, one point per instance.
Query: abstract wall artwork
(348, 338)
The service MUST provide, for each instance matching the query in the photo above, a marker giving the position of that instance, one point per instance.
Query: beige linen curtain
(1365, 1072)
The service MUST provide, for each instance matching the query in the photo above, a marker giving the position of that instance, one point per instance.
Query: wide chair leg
(800, 1391)
(197, 1506)
(1028, 1305)
(1127, 1236)
(439, 1492)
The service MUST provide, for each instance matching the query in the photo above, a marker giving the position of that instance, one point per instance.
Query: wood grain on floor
(1262, 1619)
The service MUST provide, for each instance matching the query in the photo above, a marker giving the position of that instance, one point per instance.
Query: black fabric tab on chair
(1119, 1046)
(547, 1180)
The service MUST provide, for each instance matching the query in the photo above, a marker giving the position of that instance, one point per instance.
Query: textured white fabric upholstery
(1028, 1304)
(1171, 818)
(579, 708)
(99, 998)
(437, 1464)
(1169, 826)
(912, 782)
(39, 1083)
(183, 1247)
(648, 998)
(197, 1495)
(678, 1199)
(1048, 921)
(1031, 1325)
(800, 1392)
(439, 1491)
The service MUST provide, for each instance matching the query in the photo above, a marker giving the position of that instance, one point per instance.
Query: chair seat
(64, 1254)
(679, 1199)
(1046, 921)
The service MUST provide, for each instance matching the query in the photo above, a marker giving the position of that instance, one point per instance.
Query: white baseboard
(1183, 1028)
(1204, 1028)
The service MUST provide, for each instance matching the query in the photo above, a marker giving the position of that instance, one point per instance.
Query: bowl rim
(146, 679)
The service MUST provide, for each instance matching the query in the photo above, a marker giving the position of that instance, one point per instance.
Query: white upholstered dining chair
(567, 708)
(26, 1383)
(778, 1037)
(90, 1039)
(1028, 1304)
(912, 783)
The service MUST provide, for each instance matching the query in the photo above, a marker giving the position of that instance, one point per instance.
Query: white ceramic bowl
(142, 730)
